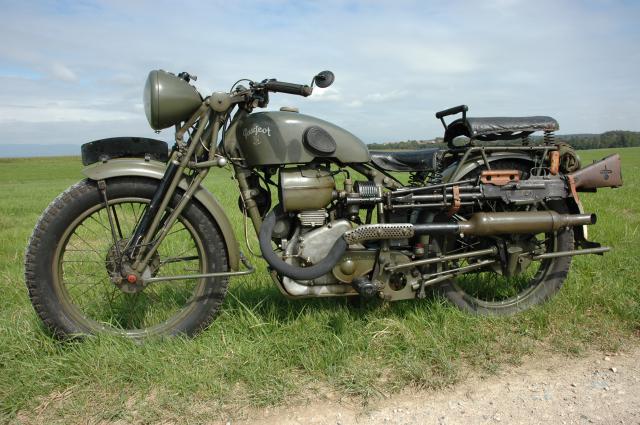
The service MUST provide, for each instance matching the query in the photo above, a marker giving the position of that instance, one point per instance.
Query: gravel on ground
(596, 389)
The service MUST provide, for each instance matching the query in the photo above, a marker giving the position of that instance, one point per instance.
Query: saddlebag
(124, 147)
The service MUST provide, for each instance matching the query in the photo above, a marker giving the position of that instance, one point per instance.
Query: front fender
(155, 170)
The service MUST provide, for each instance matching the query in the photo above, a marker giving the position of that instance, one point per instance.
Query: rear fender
(155, 170)
(477, 161)
(580, 233)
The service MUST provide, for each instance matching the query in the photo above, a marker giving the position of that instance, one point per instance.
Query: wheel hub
(121, 272)
(514, 256)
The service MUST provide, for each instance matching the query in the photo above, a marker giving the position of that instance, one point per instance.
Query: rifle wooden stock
(604, 173)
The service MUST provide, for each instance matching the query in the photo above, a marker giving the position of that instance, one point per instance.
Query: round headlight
(168, 99)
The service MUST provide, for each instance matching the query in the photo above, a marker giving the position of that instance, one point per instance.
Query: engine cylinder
(306, 188)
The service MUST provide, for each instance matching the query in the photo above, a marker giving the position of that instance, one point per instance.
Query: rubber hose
(297, 273)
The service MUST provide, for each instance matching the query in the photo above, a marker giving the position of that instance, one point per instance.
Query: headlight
(168, 99)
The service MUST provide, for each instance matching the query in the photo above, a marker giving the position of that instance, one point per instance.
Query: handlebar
(290, 88)
(452, 111)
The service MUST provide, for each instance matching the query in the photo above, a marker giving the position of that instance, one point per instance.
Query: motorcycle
(141, 248)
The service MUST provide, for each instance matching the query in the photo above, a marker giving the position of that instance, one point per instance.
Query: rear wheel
(491, 291)
(495, 290)
(73, 267)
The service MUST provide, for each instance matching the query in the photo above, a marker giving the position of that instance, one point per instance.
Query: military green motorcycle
(141, 248)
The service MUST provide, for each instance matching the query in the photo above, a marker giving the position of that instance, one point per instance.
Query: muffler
(603, 173)
(485, 224)
(480, 224)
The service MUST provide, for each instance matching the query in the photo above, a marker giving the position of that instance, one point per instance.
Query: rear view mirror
(324, 79)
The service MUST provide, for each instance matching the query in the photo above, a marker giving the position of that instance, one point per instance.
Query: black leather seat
(419, 160)
(498, 128)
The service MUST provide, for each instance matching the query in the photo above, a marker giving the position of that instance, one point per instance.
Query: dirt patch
(599, 388)
(595, 389)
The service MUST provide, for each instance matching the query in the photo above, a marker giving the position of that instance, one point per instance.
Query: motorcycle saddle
(418, 160)
(498, 128)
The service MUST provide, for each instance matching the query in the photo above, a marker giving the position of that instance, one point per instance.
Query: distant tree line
(408, 144)
(609, 139)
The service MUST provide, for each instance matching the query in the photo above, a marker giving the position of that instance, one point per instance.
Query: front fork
(154, 225)
(250, 205)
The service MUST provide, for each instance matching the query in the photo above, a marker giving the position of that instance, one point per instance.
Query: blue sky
(73, 71)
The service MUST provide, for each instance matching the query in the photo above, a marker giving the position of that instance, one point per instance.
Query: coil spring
(549, 137)
(418, 178)
(423, 178)
(366, 189)
(436, 175)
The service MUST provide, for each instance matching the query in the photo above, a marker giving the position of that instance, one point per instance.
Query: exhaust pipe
(480, 224)
(604, 173)
(485, 224)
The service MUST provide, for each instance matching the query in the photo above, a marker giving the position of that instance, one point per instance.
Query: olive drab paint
(276, 137)
(179, 99)
(327, 240)
(140, 167)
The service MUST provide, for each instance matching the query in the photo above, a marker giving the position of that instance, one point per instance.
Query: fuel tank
(281, 137)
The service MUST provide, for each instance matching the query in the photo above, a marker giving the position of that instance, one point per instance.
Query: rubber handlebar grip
(289, 88)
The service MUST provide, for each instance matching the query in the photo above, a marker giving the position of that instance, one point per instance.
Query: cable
(239, 81)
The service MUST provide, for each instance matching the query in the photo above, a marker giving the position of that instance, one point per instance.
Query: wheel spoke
(88, 244)
(173, 232)
(101, 224)
(179, 259)
(87, 280)
(493, 287)
(117, 222)
(87, 261)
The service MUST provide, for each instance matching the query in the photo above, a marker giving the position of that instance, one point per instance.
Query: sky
(73, 71)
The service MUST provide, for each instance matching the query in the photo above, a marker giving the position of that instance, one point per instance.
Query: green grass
(265, 350)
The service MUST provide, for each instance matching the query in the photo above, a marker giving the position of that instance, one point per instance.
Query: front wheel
(72, 258)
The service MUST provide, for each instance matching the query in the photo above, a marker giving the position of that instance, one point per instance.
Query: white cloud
(329, 94)
(59, 113)
(384, 97)
(423, 56)
(61, 72)
(396, 63)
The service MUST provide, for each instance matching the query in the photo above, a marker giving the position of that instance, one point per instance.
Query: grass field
(265, 350)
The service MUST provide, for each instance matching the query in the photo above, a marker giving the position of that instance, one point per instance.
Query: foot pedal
(364, 287)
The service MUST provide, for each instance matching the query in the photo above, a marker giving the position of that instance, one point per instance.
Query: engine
(308, 229)
(329, 243)
(306, 188)
(304, 194)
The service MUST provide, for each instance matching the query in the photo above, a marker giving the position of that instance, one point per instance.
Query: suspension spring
(417, 178)
(436, 175)
(366, 189)
(549, 137)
